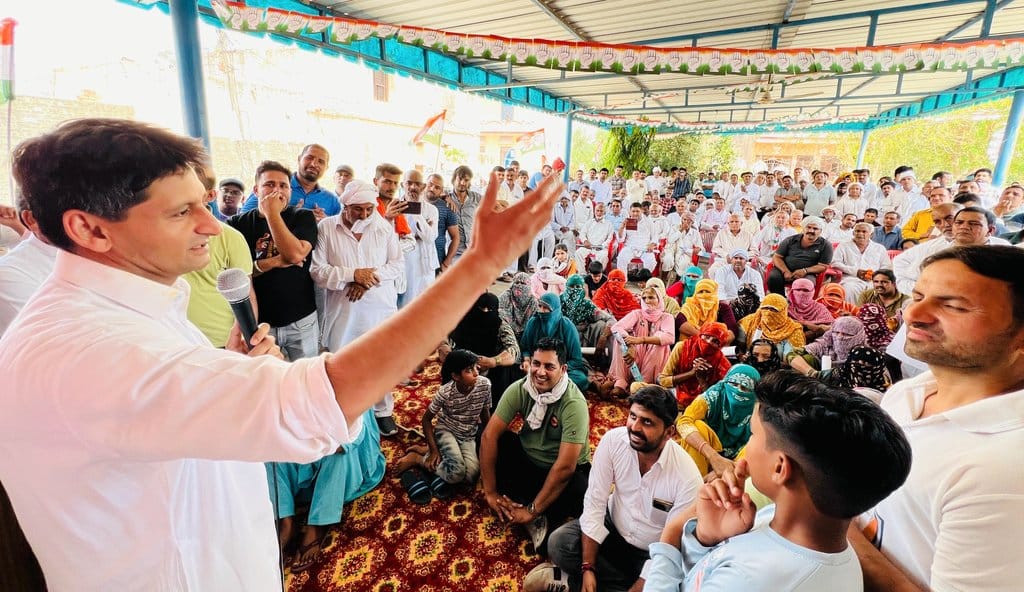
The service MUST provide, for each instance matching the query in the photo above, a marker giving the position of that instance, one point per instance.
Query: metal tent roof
(726, 103)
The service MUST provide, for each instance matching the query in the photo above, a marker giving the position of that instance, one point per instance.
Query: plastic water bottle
(633, 368)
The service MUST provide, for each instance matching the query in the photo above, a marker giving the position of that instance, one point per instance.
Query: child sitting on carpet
(461, 406)
(824, 455)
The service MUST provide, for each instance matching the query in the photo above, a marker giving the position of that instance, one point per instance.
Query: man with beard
(306, 191)
(883, 292)
(640, 478)
(858, 259)
(949, 527)
(358, 262)
(800, 256)
(447, 223)
(421, 261)
(538, 476)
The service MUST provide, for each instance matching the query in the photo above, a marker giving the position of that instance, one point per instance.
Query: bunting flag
(531, 141)
(635, 59)
(7, 60)
(428, 126)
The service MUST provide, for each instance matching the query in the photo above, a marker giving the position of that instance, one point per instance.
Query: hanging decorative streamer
(636, 59)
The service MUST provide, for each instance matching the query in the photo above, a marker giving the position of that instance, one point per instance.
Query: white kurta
(132, 449)
(598, 233)
(337, 255)
(421, 262)
(22, 271)
(636, 243)
(848, 258)
(729, 283)
(678, 254)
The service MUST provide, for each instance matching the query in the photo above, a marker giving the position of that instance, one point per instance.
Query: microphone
(233, 284)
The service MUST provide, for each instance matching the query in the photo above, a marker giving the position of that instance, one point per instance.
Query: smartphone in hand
(413, 207)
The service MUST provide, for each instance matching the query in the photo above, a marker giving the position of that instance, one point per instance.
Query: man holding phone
(422, 217)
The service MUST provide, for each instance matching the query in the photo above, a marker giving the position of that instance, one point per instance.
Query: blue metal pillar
(1009, 139)
(863, 148)
(185, 19)
(568, 145)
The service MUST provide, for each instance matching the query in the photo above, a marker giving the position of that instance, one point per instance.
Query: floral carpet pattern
(385, 543)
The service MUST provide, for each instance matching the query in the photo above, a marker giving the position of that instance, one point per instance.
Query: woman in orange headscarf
(696, 363)
(833, 296)
(771, 321)
(614, 297)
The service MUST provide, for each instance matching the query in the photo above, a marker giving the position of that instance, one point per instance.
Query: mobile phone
(413, 207)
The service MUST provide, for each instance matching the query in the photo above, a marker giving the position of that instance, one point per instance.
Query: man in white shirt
(509, 191)
(24, 268)
(142, 455)
(421, 261)
(953, 525)
(583, 206)
(858, 259)
(636, 242)
(989, 193)
(639, 478)
(843, 231)
(907, 198)
(722, 186)
(656, 184)
(563, 220)
(730, 277)
(872, 192)
(854, 202)
(661, 228)
(594, 239)
(636, 188)
(602, 188)
(683, 244)
(731, 238)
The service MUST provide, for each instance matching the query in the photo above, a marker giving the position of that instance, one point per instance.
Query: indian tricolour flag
(7, 59)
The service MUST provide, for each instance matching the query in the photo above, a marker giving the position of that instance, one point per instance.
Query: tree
(587, 144)
(693, 152)
(628, 146)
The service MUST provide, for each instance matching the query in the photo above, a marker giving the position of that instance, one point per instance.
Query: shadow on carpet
(386, 543)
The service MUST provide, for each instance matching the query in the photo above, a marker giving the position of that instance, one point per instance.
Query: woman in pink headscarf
(648, 334)
(812, 315)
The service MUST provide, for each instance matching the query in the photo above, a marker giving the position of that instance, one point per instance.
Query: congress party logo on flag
(7, 59)
(435, 121)
(530, 141)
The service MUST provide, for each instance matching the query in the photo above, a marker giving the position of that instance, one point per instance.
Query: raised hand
(724, 510)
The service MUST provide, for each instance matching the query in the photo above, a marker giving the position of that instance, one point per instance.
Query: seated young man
(538, 476)
(824, 455)
(640, 479)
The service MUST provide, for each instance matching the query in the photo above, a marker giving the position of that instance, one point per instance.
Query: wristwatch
(531, 509)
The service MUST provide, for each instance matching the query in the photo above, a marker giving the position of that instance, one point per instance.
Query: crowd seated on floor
(782, 354)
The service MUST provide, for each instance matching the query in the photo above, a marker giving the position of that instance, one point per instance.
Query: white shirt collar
(128, 289)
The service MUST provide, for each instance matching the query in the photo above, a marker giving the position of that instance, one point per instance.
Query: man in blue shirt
(889, 234)
(306, 190)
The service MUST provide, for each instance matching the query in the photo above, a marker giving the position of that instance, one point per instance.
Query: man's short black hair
(552, 344)
(871, 210)
(902, 169)
(983, 170)
(457, 361)
(271, 165)
(595, 267)
(659, 401)
(851, 454)
(887, 273)
(998, 262)
(990, 218)
(604, 170)
(940, 174)
(966, 197)
(100, 166)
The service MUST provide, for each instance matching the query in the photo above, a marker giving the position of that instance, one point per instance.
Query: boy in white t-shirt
(824, 455)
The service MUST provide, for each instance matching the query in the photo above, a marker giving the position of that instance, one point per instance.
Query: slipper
(440, 488)
(306, 556)
(416, 486)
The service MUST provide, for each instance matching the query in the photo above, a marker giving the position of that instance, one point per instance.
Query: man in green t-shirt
(538, 476)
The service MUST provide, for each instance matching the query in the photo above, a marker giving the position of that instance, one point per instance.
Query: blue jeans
(459, 462)
(300, 339)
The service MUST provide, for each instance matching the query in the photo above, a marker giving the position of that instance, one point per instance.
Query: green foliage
(587, 143)
(693, 152)
(956, 141)
(628, 147)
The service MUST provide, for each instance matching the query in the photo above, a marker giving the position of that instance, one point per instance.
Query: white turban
(358, 192)
(814, 220)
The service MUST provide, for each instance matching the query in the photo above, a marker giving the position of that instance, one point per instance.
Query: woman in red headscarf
(614, 297)
(696, 363)
(833, 296)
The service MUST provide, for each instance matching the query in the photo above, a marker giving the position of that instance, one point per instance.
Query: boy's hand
(724, 510)
(433, 459)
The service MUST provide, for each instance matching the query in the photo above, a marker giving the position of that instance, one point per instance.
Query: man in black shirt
(280, 238)
(801, 255)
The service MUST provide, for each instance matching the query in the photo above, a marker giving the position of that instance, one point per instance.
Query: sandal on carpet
(440, 488)
(416, 486)
(306, 556)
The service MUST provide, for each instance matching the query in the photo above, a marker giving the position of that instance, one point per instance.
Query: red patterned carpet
(386, 543)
